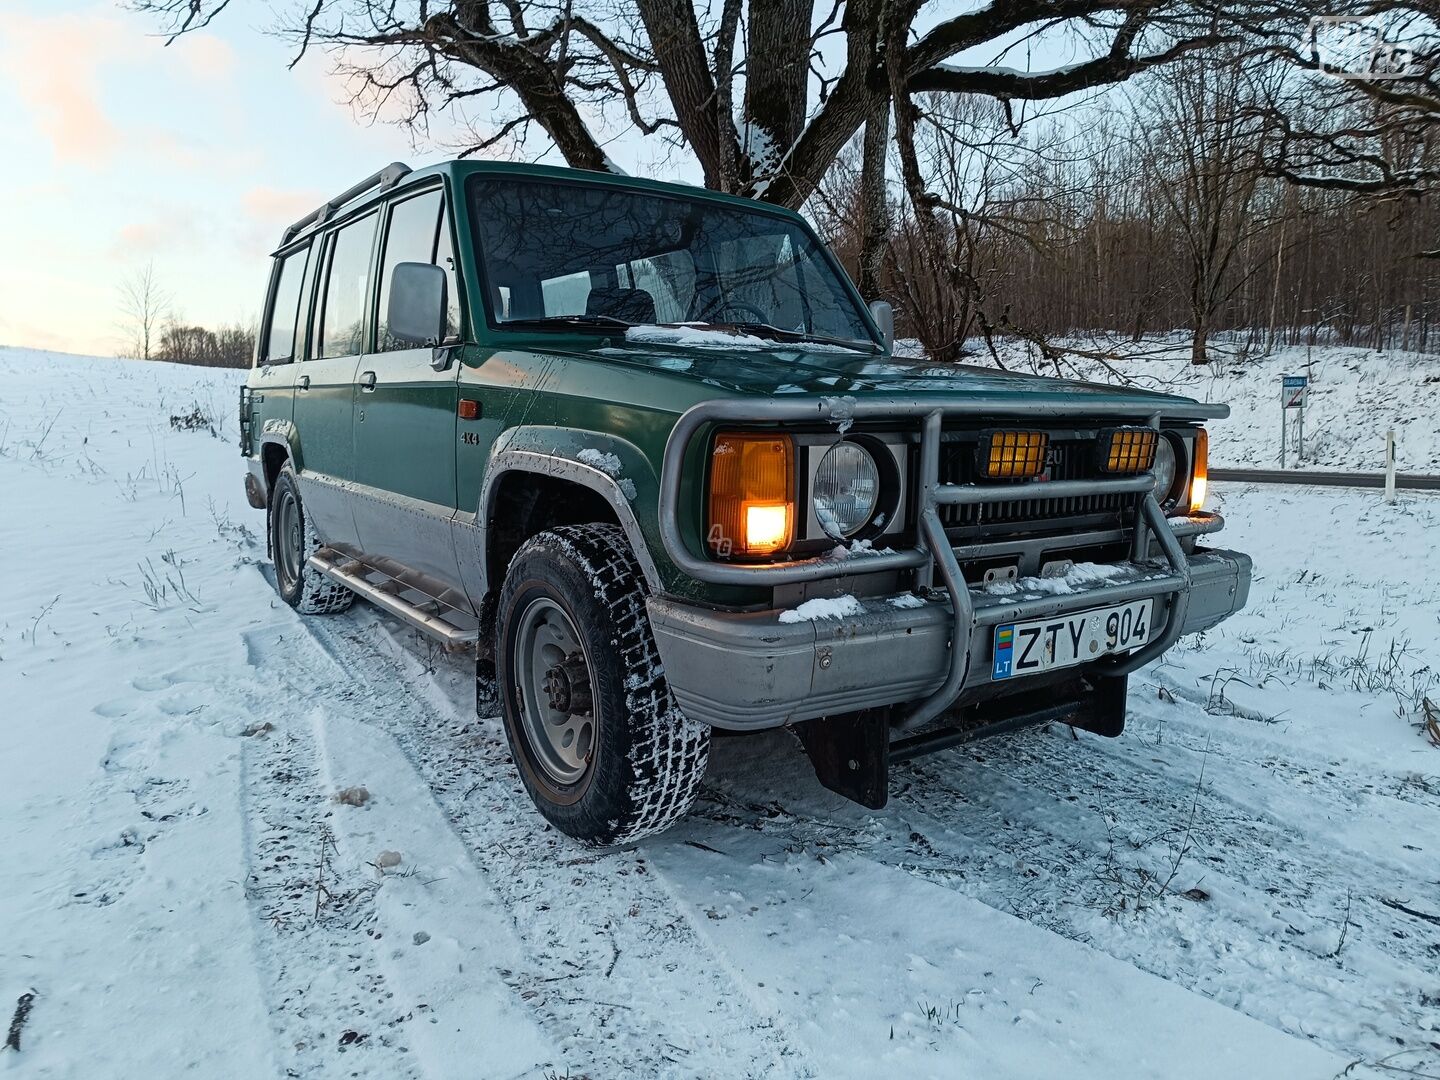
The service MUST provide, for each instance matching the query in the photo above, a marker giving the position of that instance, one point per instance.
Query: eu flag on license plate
(1004, 651)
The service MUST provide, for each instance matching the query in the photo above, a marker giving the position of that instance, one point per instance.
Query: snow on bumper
(752, 670)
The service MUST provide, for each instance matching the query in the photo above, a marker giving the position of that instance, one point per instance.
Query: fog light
(1012, 455)
(1129, 451)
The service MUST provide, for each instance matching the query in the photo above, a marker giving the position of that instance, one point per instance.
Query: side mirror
(417, 303)
(884, 316)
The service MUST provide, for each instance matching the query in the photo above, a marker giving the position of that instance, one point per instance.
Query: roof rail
(386, 178)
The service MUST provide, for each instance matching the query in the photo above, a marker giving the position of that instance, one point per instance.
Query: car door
(325, 383)
(405, 415)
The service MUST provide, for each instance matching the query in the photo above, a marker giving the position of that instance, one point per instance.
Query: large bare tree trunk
(777, 79)
(873, 202)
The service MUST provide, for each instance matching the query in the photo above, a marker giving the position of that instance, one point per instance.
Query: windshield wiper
(571, 320)
(776, 333)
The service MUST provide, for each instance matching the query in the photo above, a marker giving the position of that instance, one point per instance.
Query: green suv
(644, 447)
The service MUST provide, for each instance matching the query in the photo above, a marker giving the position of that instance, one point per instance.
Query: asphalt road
(1326, 479)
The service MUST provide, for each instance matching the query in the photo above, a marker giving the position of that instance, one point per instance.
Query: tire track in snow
(1021, 825)
(330, 1006)
(618, 976)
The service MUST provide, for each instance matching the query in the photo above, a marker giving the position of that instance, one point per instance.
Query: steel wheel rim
(287, 539)
(555, 680)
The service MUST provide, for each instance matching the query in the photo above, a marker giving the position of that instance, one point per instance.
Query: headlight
(1164, 470)
(846, 489)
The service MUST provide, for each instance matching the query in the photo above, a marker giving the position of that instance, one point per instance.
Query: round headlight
(1164, 469)
(847, 489)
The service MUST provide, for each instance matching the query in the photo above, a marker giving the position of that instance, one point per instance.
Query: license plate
(1026, 648)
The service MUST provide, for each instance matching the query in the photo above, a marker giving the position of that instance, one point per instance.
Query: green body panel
(562, 393)
(404, 429)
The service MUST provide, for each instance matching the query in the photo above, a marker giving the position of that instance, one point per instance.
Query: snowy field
(1246, 884)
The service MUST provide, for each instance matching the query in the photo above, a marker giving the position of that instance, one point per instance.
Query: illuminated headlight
(846, 490)
(1164, 470)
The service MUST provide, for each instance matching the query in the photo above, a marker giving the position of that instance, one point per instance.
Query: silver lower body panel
(745, 671)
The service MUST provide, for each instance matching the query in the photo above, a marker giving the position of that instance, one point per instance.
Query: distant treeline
(230, 346)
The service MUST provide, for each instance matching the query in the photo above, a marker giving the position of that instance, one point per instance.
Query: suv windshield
(578, 255)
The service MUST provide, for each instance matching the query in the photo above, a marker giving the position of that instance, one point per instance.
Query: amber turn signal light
(1200, 478)
(1012, 455)
(752, 507)
(1129, 450)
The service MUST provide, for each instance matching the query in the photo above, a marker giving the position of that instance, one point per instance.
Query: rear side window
(280, 331)
(409, 238)
(342, 325)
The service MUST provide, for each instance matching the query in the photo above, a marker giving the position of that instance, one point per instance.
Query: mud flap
(1104, 712)
(851, 754)
(487, 687)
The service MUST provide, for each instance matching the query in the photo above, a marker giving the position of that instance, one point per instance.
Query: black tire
(643, 760)
(293, 540)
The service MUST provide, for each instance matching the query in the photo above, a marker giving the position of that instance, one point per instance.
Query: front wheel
(604, 751)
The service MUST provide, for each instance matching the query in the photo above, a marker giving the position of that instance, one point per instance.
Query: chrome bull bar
(932, 552)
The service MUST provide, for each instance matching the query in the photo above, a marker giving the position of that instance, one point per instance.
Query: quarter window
(342, 328)
(280, 332)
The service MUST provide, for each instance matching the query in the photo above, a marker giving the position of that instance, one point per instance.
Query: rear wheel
(292, 542)
(601, 746)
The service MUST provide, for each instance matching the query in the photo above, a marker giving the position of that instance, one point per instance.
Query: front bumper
(745, 671)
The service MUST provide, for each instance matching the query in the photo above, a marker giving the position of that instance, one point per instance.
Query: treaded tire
(647, 758)
(306, 591)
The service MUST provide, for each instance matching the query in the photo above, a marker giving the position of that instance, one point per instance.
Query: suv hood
(782, 370)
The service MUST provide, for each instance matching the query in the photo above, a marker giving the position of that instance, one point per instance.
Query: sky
(117, 151)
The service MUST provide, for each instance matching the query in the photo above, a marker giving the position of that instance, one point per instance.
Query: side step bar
(386, 596)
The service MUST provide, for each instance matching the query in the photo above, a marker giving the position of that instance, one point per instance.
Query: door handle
(367, 381)
(304, 382)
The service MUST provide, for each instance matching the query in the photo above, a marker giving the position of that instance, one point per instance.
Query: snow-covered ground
(1244, 884)
(1356, 395)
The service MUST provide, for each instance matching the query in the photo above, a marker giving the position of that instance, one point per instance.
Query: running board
(388, 596)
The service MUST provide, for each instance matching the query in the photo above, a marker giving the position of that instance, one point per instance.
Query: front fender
(611, 466)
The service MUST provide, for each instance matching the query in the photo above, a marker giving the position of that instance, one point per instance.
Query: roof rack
(386, 178)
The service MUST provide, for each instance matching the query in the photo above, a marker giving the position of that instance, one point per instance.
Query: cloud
(59, 66)
(63, 94)
(279, 206)
(267, 210)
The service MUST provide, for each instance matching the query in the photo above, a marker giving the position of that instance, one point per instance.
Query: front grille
(1072, 456)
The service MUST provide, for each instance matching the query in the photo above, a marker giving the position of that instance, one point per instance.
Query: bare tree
(763, 93)
(1205, 147)
(143, 304)
(1361, 110)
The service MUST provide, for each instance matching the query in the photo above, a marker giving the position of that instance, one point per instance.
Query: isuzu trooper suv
(644, 447)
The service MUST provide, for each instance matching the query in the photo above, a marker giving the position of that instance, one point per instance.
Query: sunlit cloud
(62, 66)
(64, 96)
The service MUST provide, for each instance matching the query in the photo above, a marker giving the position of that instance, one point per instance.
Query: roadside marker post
(1390, 465)
(1293, 390)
